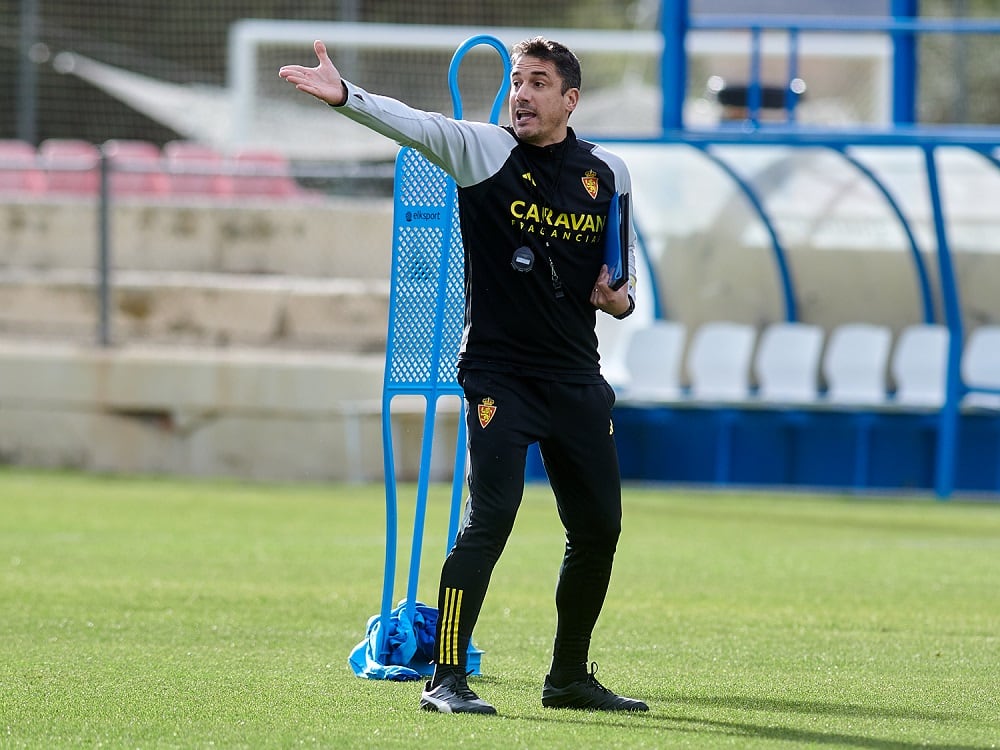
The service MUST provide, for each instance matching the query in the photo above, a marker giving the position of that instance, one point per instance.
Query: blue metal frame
(904, 65)
(456, 61)
(674, 20)
(903, 27)
(426, 382)
(923, 278)
(929, 140)
(780, 257)
(944, 473)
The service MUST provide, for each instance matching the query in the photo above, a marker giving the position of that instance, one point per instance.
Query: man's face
(539, 110)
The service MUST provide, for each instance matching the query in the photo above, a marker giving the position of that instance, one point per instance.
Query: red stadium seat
(19, 172)
(263, 173)
(196, 169)
(136, 168)
(71, 166)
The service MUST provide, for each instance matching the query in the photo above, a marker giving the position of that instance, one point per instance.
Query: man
(533, 204)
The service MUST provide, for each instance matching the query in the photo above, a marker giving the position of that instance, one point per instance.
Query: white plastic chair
(981, 366)
(612, 339)
(919, 365)
(653, 356)
(718, 364)
(855, 364)
(787, 363)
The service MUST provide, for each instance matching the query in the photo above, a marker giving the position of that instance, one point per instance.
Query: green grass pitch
(154, 613)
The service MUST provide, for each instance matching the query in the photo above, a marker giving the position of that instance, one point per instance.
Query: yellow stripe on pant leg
(445, 627)
(458, 613)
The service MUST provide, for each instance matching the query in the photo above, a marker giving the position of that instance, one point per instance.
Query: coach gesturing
(533, 205)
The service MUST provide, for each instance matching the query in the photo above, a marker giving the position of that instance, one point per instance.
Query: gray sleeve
(469, 151)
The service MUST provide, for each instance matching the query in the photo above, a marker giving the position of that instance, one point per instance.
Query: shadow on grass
(655, 721)
(784, 516)
(779, 705)
(659, 720)
(819, 708)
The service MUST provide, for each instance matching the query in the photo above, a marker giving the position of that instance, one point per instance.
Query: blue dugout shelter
(945, 447)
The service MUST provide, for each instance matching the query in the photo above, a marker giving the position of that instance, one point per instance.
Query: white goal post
(248, 35)
(847, 75)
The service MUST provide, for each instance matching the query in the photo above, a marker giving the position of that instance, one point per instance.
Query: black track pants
(572, 424)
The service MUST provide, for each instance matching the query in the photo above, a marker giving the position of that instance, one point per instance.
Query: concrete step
(338, 237)
(203, 309)
(243, 412)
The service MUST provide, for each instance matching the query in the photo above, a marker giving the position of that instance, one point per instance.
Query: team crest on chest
(590, 182)
(486, 411)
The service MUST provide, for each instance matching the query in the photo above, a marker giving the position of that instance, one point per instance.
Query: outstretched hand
(603, 297)
(323, 81)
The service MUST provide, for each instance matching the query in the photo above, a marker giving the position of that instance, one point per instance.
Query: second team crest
(486, 411)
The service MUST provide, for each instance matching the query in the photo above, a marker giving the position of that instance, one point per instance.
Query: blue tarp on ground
(410, 643)
(410, 646)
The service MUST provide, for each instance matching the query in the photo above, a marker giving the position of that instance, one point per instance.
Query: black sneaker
(589, 695)
(454, 696)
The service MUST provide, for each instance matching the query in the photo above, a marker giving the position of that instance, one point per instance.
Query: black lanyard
(524, 259)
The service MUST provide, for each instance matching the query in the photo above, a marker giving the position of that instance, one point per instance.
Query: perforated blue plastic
(427, 300)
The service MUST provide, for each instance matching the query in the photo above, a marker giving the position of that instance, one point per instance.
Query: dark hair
(567, 65)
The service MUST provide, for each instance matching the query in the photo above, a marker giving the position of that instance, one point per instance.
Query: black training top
(553, 200)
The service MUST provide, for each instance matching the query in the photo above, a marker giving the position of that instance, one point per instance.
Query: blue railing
(902, 28)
